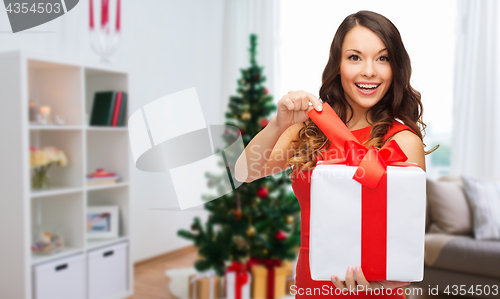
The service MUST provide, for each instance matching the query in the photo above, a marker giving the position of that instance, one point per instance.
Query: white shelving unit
(68, 88)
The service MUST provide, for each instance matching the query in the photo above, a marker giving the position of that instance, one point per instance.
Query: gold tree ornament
(251, 231)
(246, 116)
(289, 219)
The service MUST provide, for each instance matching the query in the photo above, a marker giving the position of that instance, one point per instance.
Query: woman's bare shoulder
(412, 146)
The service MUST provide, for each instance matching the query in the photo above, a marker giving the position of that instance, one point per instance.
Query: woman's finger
(289, 104)
(297, 102)
(316, 103)
(360, 278)
(349, 278)
(305, 103)
(337, 283)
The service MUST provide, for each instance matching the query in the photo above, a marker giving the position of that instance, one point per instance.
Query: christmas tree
(258, 219)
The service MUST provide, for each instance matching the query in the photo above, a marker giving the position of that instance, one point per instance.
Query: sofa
(457, 253)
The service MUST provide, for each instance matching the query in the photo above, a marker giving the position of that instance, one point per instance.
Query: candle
(44, 110)
(91, 14)
(44, 114)
(104, 12)
(118, 16)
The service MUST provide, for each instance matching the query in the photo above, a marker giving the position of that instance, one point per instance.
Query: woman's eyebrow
(357, 51)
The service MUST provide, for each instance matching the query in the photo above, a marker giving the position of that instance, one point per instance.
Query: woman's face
(365, 71)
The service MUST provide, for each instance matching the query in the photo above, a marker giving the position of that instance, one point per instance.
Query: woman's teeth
(367, 87)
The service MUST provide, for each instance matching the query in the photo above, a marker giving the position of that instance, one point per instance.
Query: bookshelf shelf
(106, 129)
(56, 128)
(67, 251)
(54, 191)
(68, 88)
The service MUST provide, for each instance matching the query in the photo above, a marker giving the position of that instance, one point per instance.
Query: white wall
(167, 46)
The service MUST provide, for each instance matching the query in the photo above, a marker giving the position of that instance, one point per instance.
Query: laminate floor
(150, 279)
(151, 282)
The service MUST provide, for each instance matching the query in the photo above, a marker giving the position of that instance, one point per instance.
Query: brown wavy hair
(401, 101)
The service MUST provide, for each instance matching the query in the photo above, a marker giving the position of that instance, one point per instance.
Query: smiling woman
(367, 82)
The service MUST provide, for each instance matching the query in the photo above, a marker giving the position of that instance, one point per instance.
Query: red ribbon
(270, 264)
(372, 164)
(241, 277)
(372, 175)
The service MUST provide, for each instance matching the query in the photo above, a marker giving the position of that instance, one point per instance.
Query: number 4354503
(35, 8)
(473, 290)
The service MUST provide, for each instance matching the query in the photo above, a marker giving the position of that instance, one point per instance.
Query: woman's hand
(293, 108)
(363, 284)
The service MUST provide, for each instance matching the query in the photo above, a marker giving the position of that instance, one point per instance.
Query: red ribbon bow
(241, 277)
(372, 163)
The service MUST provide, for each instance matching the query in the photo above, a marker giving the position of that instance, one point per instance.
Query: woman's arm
(412, 147)
(269, 150)
(267, 153)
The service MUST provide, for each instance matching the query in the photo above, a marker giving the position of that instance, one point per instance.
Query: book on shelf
(116, 109)
(108, 108)
(101, 177)
(102, 108)
(99, 181)
(123, 110)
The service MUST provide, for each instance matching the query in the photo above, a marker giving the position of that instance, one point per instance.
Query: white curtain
(241, 18)
(476, 121)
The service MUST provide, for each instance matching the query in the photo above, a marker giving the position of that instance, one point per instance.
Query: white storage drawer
(108, 271)
(60, 279)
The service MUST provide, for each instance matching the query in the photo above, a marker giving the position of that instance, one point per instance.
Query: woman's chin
(367, 103)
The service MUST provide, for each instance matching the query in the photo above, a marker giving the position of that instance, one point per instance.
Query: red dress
(305, 287)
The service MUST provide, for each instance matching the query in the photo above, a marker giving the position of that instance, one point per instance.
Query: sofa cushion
(449, 210)
(434, 243)
(468, 255)
(484, 200)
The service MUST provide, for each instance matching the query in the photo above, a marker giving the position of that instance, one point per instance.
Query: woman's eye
(384, 58)
(354, 58)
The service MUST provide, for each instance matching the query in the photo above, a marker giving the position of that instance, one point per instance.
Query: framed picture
(102, 222)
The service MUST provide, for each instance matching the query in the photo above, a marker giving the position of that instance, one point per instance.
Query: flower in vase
(40, 161)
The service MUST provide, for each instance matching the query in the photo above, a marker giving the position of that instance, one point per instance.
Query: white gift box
(336, 222)
(231, 286)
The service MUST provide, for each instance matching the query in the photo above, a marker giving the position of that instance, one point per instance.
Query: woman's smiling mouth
(367, 88)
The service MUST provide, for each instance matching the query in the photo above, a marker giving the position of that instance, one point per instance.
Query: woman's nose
(369, 70)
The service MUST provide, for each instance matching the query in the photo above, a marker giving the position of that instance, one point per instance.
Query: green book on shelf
(123, 110)
(102, 108)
